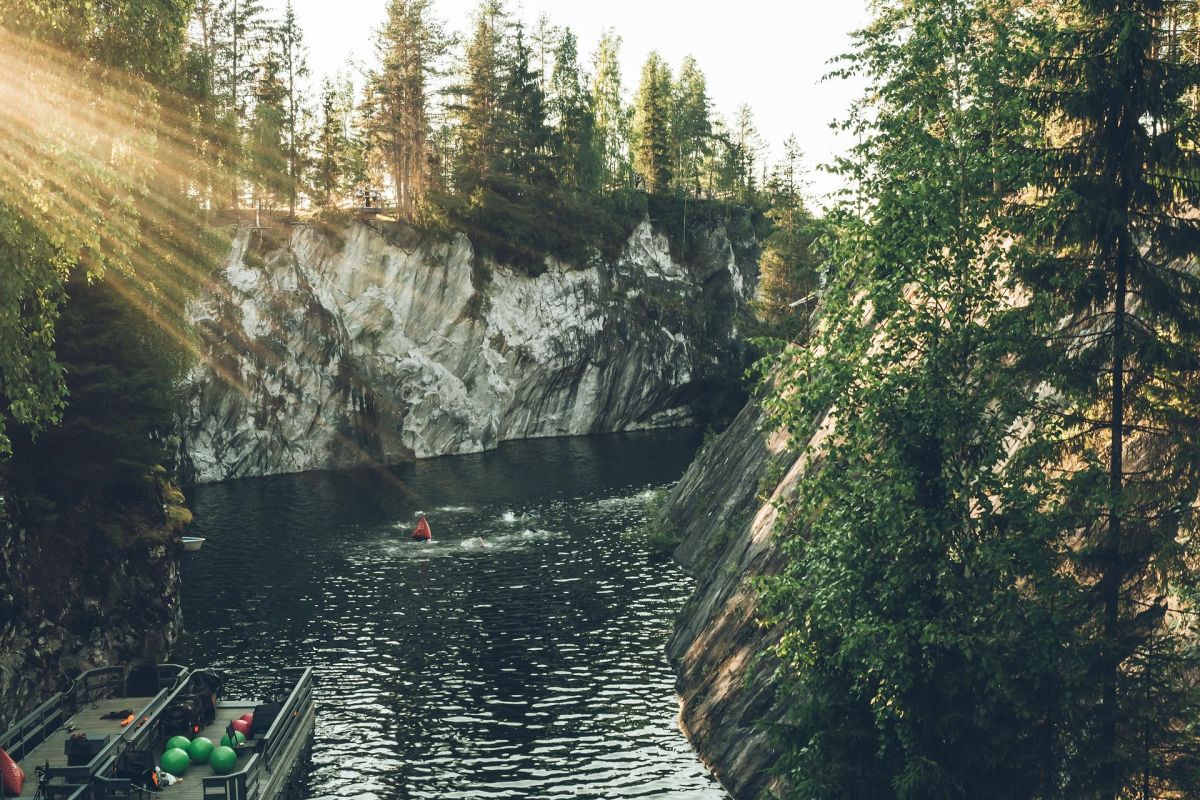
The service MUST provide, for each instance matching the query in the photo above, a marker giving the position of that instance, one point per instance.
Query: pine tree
(691, 126)
(575, 160)
(297, 116)
(1111, 238)
(652, 125)
(609, 111)
(410, 45)
(480, 124)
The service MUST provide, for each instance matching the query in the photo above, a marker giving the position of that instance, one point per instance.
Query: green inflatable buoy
(223, 760)
(200, 750)
(178, 742)
(238, 738)
(175, 761)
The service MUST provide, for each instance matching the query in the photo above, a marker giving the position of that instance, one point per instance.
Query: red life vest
(422, 532)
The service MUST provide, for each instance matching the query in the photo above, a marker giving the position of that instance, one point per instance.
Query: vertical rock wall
(378, 345)
(723, 506)
(71, 601)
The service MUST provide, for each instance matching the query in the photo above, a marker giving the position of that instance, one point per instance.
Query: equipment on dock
(175, 761)
(264, 716)
(80, 750)
(223, 760)
(136, 766)
(180, 742)
(422, 533)
(200, 750)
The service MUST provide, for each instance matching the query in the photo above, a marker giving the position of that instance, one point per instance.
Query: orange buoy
(422, 532)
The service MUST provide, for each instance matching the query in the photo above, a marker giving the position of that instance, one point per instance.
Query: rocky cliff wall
(73, 598)
(724, 508)
(375, 345)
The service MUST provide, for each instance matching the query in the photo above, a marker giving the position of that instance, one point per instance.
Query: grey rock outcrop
(375, 345)
(724, 507)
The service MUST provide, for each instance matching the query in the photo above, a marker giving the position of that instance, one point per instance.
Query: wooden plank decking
(87, 720)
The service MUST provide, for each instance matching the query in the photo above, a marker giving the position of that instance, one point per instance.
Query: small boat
(192, 543)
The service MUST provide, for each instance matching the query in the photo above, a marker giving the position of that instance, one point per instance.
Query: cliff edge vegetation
(972, 569)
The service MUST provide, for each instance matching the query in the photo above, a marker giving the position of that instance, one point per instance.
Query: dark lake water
(532, 667)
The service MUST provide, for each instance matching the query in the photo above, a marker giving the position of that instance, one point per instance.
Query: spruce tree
(410, 46)
(332, 143)
(523, 129)
(297, 115)
(652, 125)
(240, 26)
(479, 113)
(575, 160)
(267, 158)
(691, 126)
(609, 110)
(1111, 237)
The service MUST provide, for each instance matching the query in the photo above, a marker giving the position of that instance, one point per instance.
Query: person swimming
(422, 533)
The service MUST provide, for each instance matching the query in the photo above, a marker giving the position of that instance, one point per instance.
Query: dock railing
(148, 736)
(34, 728)
(96, 684)
(240, 785)
(294, 709)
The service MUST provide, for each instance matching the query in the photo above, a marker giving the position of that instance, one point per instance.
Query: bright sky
(771, 54)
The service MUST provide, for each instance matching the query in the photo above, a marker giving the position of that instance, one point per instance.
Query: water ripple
(528, 666)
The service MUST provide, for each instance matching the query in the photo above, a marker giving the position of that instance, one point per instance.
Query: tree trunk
(1113, 567)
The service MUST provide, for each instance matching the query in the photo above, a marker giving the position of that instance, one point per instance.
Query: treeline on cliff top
(991, 573)
(136, 126)
(499, 130)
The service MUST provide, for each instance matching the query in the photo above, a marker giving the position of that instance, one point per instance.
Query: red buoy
(247, 718)
(242, 727)
(422, 532)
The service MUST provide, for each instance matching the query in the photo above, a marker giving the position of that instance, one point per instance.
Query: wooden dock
(266, 765)
(88, 720)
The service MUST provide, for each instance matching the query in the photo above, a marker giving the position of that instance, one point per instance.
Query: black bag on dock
(181, 719)
(208, 688)
(80, 750)
(264, 716)
(137, 766)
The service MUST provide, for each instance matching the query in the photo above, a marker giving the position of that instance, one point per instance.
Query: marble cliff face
(368, 345)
